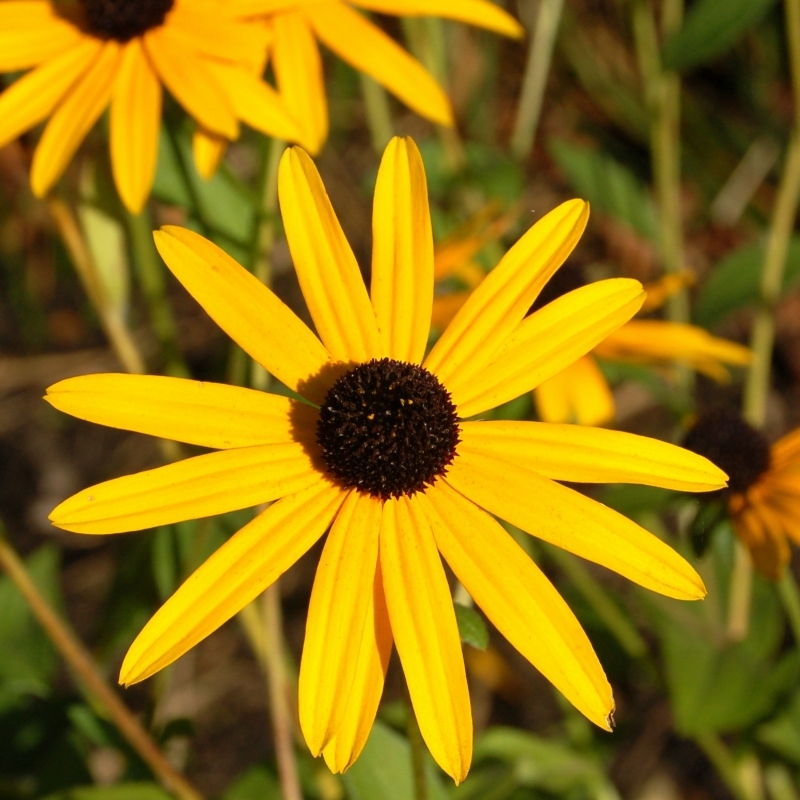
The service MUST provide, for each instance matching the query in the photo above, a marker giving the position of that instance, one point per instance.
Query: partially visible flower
(89, 54)
(298, 24)
(763, 497)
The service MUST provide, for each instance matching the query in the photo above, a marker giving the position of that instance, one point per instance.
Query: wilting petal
(249, 562)
(575, 523)
(197, 487)
(521, 603)
(326, 267)
(426, 633)
(211, 415)
(546, 342)
(31, 32)
(337, 614)
(402, 253)
(580, 393)
(590, 455)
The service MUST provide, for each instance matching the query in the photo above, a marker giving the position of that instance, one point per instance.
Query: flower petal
(74, 118)
(519, 600)
(786, 451)
(498, 305)
(590, 455)
(326, 267)
(425, 630)
(265, 328)
(580, 393)
(249, 562)
(338, 26)
(197, 487)
(135, 126)
(208, 150)
(211, 415)
(31, 32)
(546, 342)
(365, 694)
(338, 611)
(402, 253)
(575, 523)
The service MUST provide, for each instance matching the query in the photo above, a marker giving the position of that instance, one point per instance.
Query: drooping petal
(135, 124)
(426, 633)
(498, 305)
(575, 523)
(211, 415)
(338, 26)
(298, 72)
(326, 267)
(197, 487)
(590, 455)
(34, 96)
(475, 12)
(580, 394)
(519, 600)
(546, 342)
(31, 32)
(249, 562)
(402, 253)
(186, 75)
(208, 150)
(74, 118)
(365, 694)
(337, 614)
(247, 311)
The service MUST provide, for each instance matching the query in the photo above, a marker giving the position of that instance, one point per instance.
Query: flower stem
(790, 597)
(741, 589)
(81, 663)
(379, 114)
(418, 753)
(540, 56)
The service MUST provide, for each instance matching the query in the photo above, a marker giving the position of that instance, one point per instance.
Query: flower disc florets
(735, 446)
(123, 20)
(388, 428)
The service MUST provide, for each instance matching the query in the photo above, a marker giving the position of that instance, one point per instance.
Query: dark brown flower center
(388, 428)
(121, 20)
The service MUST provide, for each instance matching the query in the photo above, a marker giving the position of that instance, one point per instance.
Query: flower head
(382, 454)
(89, 54)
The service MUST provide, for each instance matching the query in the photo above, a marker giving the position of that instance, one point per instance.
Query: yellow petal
(402, 253)
(426, 633)
(74, 118)
(197, 487)
(249, 8)
(298, 72)
(365, 694)
(590, 455)
(498, 305)
(208, 150)
(194, 86)
(135, 125)
(196, 412)
(519, 600)
(31, 32)
(580, 393)
(326, 267)
(475, 12)
(339, 27)
(546, 342)
(34, 96)
(235, 575)
(575, 523)
(338, 611)
(247, 311)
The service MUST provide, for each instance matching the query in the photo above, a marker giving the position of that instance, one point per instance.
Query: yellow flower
(298, 24)
(87, 54)
(380, 452)
(764, 494)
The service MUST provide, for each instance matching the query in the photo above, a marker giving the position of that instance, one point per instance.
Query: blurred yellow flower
(89, 54)
(379, 452)
(298, 24)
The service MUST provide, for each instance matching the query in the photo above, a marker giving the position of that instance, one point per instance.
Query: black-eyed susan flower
(299, 24)
(763, 497)
(381, 454)
(89, 54)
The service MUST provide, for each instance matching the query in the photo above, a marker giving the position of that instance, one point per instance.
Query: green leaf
(140, 790)
(258, 783)
(471, 627)
(710, 28)
(782, 733)
(734, 282)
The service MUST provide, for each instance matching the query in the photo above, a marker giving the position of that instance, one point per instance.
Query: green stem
(790, 597)
(719, 755)
(188, 179)
(741, 590)
(418, 754)
(540, 56)
(379, 114)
